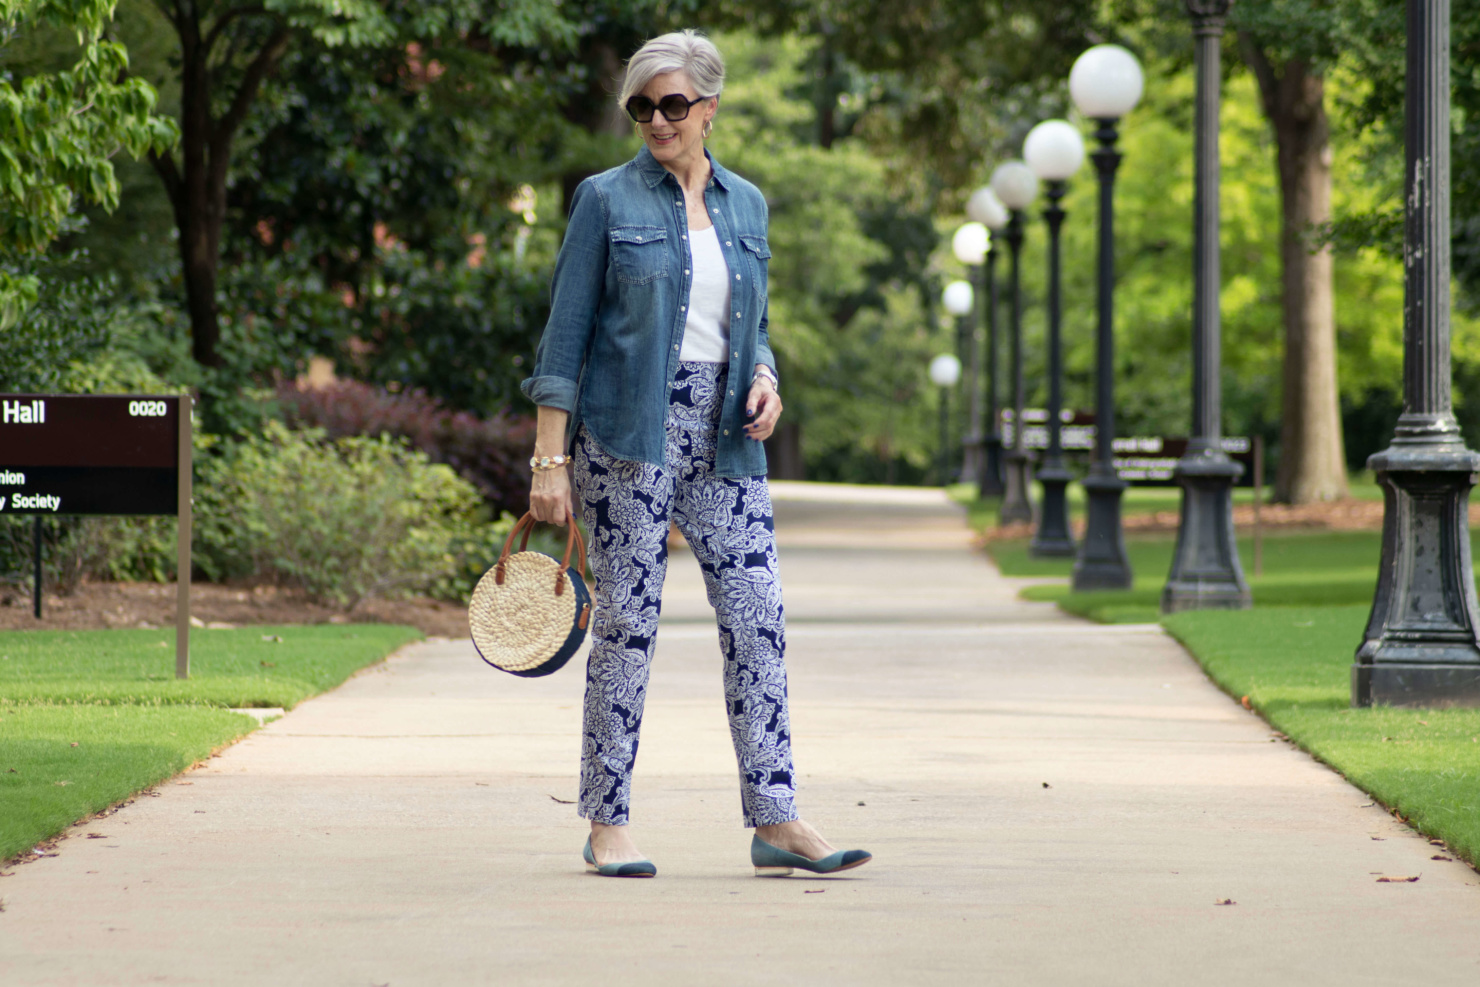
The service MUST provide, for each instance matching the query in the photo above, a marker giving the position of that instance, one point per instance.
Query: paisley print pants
(627, 507)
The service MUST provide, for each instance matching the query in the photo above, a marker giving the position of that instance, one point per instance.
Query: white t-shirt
(706, 335)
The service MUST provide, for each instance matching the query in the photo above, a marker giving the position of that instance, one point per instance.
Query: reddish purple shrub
(491, 453)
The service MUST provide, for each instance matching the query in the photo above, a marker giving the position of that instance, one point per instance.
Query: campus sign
(1140, 460)
(74, 454)
(100, 454)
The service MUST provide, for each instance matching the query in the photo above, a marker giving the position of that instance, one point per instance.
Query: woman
(655, 371)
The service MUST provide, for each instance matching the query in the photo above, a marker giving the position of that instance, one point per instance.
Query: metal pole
(1206, 573)
(989, 482)
(1102, 562)
(1421, 646)
(1258, 502)
(1052, 539)
(971, 359)
(36, 562)
(945, 436)
(183, 512)
(1015, 504)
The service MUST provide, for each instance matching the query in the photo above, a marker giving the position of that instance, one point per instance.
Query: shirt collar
(653, 172)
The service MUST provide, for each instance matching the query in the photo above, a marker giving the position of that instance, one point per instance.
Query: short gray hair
(682, 51)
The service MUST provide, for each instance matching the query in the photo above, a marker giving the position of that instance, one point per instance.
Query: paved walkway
(1049, 802)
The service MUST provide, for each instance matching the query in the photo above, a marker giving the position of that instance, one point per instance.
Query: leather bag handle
(573, 540)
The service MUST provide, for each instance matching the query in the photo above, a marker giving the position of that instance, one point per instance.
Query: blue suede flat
(773, 861)
(630, 868)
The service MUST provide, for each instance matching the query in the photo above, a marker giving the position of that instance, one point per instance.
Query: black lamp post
(1106, 84)
(984, 207)
(1422, 643)
(1054, 150)
(1205, 568)
(945, 371)
(1016, 186)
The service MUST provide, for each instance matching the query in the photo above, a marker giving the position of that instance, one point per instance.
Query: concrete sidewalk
(1048, 801)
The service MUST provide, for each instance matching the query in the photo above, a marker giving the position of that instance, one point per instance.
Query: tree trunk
(1312, 463)
(197, 186)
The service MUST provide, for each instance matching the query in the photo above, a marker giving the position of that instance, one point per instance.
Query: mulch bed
(106, 605)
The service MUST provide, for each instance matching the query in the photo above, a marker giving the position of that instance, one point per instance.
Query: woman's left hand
(764, 407)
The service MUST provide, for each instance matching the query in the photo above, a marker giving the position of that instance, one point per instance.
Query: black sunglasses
(674, 107)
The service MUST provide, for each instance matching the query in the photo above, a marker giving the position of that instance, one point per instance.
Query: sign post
(68, 454)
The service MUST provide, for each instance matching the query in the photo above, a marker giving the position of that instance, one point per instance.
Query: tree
(1287, 47)
(58, 131)
(228, 50)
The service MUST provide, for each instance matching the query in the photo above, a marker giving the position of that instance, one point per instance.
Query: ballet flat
(629, 868)
(773, 861)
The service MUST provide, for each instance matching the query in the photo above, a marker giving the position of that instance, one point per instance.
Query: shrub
(490, 453)
(343, 519)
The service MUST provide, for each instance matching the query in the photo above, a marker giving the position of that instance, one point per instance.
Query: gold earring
(708, 128)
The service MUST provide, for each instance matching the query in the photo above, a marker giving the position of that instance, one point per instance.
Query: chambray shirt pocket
(759, 253)
(639, 253)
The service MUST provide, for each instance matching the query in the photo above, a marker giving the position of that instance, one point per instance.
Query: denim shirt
(618, 307)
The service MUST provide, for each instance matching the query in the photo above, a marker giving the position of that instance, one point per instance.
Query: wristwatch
(761, 370)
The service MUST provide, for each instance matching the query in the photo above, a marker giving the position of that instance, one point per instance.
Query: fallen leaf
(275, 638)
(1436, 842)
(1047, 785)
(1225, 901)
(96, 836)
(860, 803)
(268, 664)
(483, 783)
(1244, 702)
(1379, 838)
(74, 743)
(1423, 723)
(7, 873)
(62, 783)
(1398, 880)
(818, 891)
(562, 801)
(1440, 856)
(184, 782)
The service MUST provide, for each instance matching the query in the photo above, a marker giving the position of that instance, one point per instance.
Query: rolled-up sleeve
(575, 297)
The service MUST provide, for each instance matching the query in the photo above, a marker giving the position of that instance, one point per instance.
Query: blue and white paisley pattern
(627, 506)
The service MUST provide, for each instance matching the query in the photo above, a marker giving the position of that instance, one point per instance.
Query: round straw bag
(529, 613)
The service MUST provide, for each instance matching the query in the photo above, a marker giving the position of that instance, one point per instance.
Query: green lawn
(1294, 665)
(246, 666)
(89, 718)
(1306, 569)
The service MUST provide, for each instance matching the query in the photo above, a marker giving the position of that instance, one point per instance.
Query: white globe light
(958, 297)
(1106, 82)
(970, 243)
(984, 207)
(1015, 184)
(1054, 150)
(945, 370)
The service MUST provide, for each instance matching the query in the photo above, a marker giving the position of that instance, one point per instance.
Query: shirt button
(685, 307)
(686, 270)
(675, 346)
(716, 210)
(737, 356)
(727, 243)
(737, 315)
(732, 392)
(737, 277)
(639, 239)
(683, 236)
(727, 431)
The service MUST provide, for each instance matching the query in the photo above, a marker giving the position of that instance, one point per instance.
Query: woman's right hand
(550, 497)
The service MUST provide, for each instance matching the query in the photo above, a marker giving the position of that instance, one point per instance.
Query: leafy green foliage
(58, 131)
(344, 520)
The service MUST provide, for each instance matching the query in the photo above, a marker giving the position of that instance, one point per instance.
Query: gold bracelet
(542, 464)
